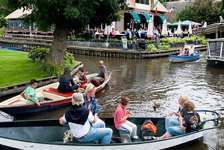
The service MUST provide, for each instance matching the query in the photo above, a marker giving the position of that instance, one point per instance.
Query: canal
(151, 81)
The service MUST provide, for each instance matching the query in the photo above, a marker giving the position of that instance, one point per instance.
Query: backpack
(148, 130)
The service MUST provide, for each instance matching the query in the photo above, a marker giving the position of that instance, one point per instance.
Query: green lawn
(15, 67)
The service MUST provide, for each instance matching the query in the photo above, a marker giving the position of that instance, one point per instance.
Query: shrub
(150, 41)
(53, 70)
(163, 46)
(37, 54)
(151, 48)
(2, 31)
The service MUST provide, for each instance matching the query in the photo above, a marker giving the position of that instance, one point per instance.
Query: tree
(66, 15)
(208, 10)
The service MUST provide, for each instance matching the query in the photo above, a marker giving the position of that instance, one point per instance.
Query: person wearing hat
(80, 119)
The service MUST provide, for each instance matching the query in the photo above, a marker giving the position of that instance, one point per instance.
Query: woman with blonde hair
(172, 125)
(90, 104)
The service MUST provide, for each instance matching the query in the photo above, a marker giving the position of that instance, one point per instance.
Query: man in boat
(29, 93)
(191, 51)
(120, 118)
(102, 75)
(190, 122)
(80, 119)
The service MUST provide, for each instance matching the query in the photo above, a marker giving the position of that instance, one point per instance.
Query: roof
(160, 8)
(19, 13)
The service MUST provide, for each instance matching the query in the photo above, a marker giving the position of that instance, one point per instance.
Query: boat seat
(125, 136)
(55, 91)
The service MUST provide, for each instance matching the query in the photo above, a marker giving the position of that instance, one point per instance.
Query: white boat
(48, 135)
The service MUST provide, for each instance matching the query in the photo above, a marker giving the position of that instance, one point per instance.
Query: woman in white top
(182, 51)
(79, 119)
(190, 51)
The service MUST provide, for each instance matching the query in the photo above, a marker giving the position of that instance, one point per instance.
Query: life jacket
(148, 130)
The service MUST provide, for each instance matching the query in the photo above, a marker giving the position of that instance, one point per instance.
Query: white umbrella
(190, 29)
(150, 29)
(105, 29)
(164, 29)
(179, 32)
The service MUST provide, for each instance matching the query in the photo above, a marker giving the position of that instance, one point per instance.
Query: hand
(38, 104)
(170, 114)
(128, 115)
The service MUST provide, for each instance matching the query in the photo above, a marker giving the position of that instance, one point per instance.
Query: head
(90, 90)
(188, 106)
(77, 99)
(192, 45)
(33, 83)
(100, 63)
(125, 101)
(81, 71)
(128, 29)
(67, 71)
(112, 29)
(183, 99)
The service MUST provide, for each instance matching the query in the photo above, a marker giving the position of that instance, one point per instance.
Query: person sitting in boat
(102, 75)
(191, 51)
(120, 118)
(80, 119)
(66, 83)
(82, 78)
(173, 124)
(190, 122)
(90, 103)
(182, 51)
(29, 93)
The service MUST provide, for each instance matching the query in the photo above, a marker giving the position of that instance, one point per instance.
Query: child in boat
(182, 51)
(29, 93)
(82, 78)
(189, 123)
(120, 118)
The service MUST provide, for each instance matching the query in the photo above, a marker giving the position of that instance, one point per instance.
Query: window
(142, 2)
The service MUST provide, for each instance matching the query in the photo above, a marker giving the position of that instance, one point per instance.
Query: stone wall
(178, 6)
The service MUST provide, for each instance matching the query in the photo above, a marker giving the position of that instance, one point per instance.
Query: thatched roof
(19, 13)
(160, 8)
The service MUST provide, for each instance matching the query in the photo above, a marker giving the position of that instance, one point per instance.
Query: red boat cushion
(55, 91)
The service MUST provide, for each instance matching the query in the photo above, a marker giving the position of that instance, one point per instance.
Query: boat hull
(216, 63)
(48, 134)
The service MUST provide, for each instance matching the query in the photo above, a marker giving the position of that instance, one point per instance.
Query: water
(151, 81)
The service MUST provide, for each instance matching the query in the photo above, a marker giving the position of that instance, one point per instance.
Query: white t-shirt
(191, 50)
(79, 130)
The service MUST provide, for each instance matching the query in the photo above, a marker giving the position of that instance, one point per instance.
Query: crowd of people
(86, 126)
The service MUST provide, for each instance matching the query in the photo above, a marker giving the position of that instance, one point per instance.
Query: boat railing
(215, 120)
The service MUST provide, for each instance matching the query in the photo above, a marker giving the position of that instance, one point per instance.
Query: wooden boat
(50, 99)
(215, 52)
(185, 58)
(48, 134)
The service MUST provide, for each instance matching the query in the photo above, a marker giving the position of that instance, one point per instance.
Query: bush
(53, 70)
(3, 22)
(150, 41)
(38, 54)
(163, 46)
(2, 30)
(151, 48)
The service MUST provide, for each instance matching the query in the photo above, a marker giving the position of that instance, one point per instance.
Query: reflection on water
(152, 81)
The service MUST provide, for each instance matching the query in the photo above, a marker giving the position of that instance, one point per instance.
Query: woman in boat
(182, 51)
(170, 121)
(90, 104)
(191, 51)
(82, 78)
(80, 119)
(120, 118)
(66, 83)
(191, 121)
(29, 93)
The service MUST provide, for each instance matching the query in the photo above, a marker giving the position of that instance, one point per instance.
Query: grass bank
(16, 67)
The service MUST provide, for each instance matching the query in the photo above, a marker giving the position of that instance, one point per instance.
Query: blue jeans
(99, 124)
(170, 121)
(173, 126)
(97, 133)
